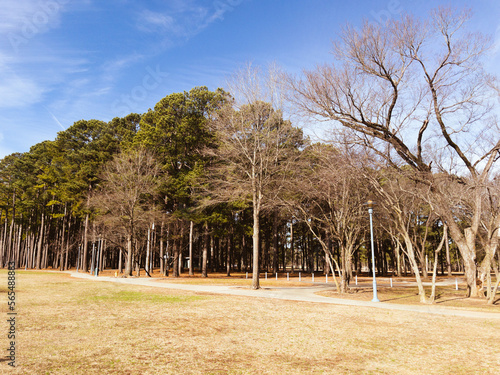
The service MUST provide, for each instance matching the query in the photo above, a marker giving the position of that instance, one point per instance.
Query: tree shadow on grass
(397, 298)
(443, 300)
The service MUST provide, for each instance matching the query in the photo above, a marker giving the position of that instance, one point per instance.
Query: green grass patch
(132, 296)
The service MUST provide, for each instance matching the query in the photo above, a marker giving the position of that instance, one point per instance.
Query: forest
(227, 181)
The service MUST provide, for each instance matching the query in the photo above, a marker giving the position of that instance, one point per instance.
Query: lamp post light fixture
(370, 211)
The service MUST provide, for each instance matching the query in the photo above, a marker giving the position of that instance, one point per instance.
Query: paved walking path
(304, 294)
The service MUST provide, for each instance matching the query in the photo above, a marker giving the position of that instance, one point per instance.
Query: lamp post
(370, 211)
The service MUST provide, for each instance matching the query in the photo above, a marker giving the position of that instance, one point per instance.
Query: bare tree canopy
(416, 93)
(327, 191)
(254, 147)
(130, 182)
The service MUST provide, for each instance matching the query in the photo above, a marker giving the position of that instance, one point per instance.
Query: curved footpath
(303, 294)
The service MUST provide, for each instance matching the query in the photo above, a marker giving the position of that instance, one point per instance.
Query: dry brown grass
(404, 291)
(236, 279)
(446, 296)
(72, 326)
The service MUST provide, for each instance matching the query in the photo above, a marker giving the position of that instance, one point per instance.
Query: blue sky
(62, 61)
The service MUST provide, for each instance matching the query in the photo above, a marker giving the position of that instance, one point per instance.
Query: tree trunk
(465, 241)
(175, 250)
(191, 225)
(40, 244)
(181, 246)
(229, 249)
(148, 249)
(275, 242)
(162, 255)
(101, 257)
(85, 244)
(61, 249)
(128, 266)
(205, 251)
(436, 257)
(10, 245)
(414, 266)
(448, 259)
(292, 250)
(330, 257)
(92, 262)
(67, 244)
(3, 253)
(120, 261)
(18, 247)
(398, 258)
(497, 284)
(255, 242)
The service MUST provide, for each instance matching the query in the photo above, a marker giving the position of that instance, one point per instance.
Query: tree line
(222, 181)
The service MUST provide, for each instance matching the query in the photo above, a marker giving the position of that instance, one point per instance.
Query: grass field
(73, 326)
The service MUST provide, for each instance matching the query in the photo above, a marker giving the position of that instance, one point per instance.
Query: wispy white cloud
(113, 68)
(150, 21)
(184, 19)
(20, 21)
(14, 13)
(17, 91)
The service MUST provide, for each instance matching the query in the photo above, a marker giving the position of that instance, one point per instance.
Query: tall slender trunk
(204, 260)
(292, 251)
(120, 261)
(447, 247)
(191, 225)
(244, 261)
(444, 239)
(84, 266)
(10, 245)
(148, 249)
(175, 250)
(67, 244)
(31, 250)
(255, 243)
(92, 262)
(3, 253)
(175, 268)
(40, 243)
(152, 249)
(128, 266)
(275, 242)
(181, 246)
(168, 251)
(229, 249)
(162, 256)
(397, 252)
(414, 266)
(18, 247)
(61, 249)
(101, 258)
(45, 259)
(497, 284)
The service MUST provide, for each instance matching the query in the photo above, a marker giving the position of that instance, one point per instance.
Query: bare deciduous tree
(254, 147)
(129, 185)
(408, 88)
(327, 192)
(399, 201)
